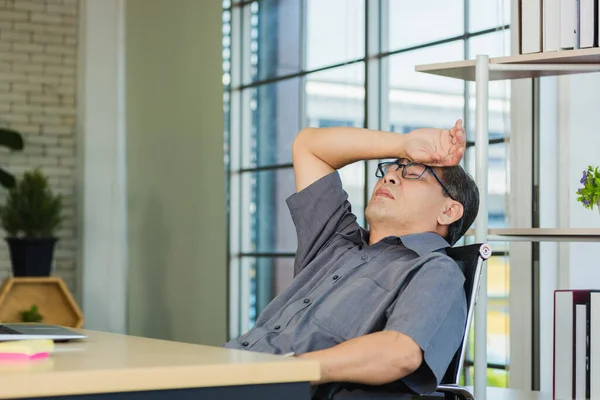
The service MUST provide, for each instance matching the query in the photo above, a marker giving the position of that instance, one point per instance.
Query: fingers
(452, 158)
(457, 132)
(447, 146)
(458, 125)
(459, 155)
(458, 144)
(458, 140)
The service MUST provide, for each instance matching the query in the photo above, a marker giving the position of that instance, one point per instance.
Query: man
(384, 305)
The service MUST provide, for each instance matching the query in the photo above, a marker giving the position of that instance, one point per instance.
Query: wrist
(400, 145)
(325, 377)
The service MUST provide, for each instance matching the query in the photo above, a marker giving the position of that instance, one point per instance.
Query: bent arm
(374, 359)
(317, 152)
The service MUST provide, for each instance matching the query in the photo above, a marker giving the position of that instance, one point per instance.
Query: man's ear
(452, 212)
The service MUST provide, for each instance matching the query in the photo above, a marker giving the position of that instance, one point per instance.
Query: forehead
(439, 171)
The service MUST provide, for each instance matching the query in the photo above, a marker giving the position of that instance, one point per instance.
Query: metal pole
(481, 223)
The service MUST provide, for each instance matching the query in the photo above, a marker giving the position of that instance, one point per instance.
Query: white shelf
(552, 63)
(542, 235)
(482, 71)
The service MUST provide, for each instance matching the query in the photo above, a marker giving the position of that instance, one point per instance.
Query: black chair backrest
(470, 259)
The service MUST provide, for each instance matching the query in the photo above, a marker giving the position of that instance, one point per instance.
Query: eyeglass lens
(410, 171)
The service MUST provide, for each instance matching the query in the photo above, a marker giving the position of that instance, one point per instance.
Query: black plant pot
(31, 256)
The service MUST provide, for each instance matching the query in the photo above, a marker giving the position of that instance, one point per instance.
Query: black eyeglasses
(409, 171)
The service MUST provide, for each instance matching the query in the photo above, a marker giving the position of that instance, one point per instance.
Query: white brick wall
(38, 52)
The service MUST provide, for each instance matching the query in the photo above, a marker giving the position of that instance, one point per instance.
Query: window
(325, 123)
(289, 64)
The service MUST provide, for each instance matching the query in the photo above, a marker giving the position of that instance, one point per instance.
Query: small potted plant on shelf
(31, 315)
(30, 217)
(589, 194)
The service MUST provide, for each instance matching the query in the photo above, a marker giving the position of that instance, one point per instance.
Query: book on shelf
(576, 344)
(551, 25)
(569, 14)
(588, 23)
(531, 26)
(555, 25)
(594, 345)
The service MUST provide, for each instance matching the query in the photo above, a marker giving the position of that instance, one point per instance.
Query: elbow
(301, 142)
(408, 361)
(302, 137)
(413, 361)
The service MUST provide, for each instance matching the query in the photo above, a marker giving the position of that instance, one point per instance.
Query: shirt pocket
(250, 338)
(352, 308)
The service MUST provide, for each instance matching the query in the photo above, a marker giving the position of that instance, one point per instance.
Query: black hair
(463, 189)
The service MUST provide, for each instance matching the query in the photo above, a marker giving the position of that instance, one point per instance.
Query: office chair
(470, 259)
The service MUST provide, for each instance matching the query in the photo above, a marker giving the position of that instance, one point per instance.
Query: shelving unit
(482, 70)
(542, 235)
(555, 63)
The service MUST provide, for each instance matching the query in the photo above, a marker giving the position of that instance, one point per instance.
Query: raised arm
(319, 151)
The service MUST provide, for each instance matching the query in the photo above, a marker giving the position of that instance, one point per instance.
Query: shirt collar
(421, 243)
(359, 237)
(424, 243)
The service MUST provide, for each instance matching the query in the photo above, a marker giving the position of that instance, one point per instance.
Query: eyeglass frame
(427, 168)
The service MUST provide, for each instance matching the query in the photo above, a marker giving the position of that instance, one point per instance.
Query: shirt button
(245, 344)
(364, 257)
(277, 327)
(306, 301)
(335, 277)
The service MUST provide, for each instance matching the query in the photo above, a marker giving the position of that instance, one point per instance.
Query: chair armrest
(460, 391)
(442, 391)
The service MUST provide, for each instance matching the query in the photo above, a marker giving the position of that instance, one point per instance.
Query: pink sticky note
(22, 356)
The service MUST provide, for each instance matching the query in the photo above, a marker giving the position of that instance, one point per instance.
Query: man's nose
(392, 177)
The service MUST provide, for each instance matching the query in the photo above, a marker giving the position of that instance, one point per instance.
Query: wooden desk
(129, 367)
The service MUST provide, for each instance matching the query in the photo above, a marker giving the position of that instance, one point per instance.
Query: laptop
(9, 331)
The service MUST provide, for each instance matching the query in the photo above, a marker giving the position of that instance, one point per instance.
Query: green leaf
(31, 209)
(31, 315)
(7, 179)
(11, 139)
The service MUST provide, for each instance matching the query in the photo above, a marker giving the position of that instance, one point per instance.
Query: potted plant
(589, 194)
(31, 315)
(30, 217)
(14, 141)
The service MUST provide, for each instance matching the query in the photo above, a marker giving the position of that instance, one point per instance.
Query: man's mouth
(384, 193)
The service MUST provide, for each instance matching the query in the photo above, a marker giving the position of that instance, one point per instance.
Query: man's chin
(374, 212)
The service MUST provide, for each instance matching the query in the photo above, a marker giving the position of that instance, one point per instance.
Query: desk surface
(106, 362)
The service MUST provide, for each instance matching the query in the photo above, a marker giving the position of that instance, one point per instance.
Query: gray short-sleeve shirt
(344, 288)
